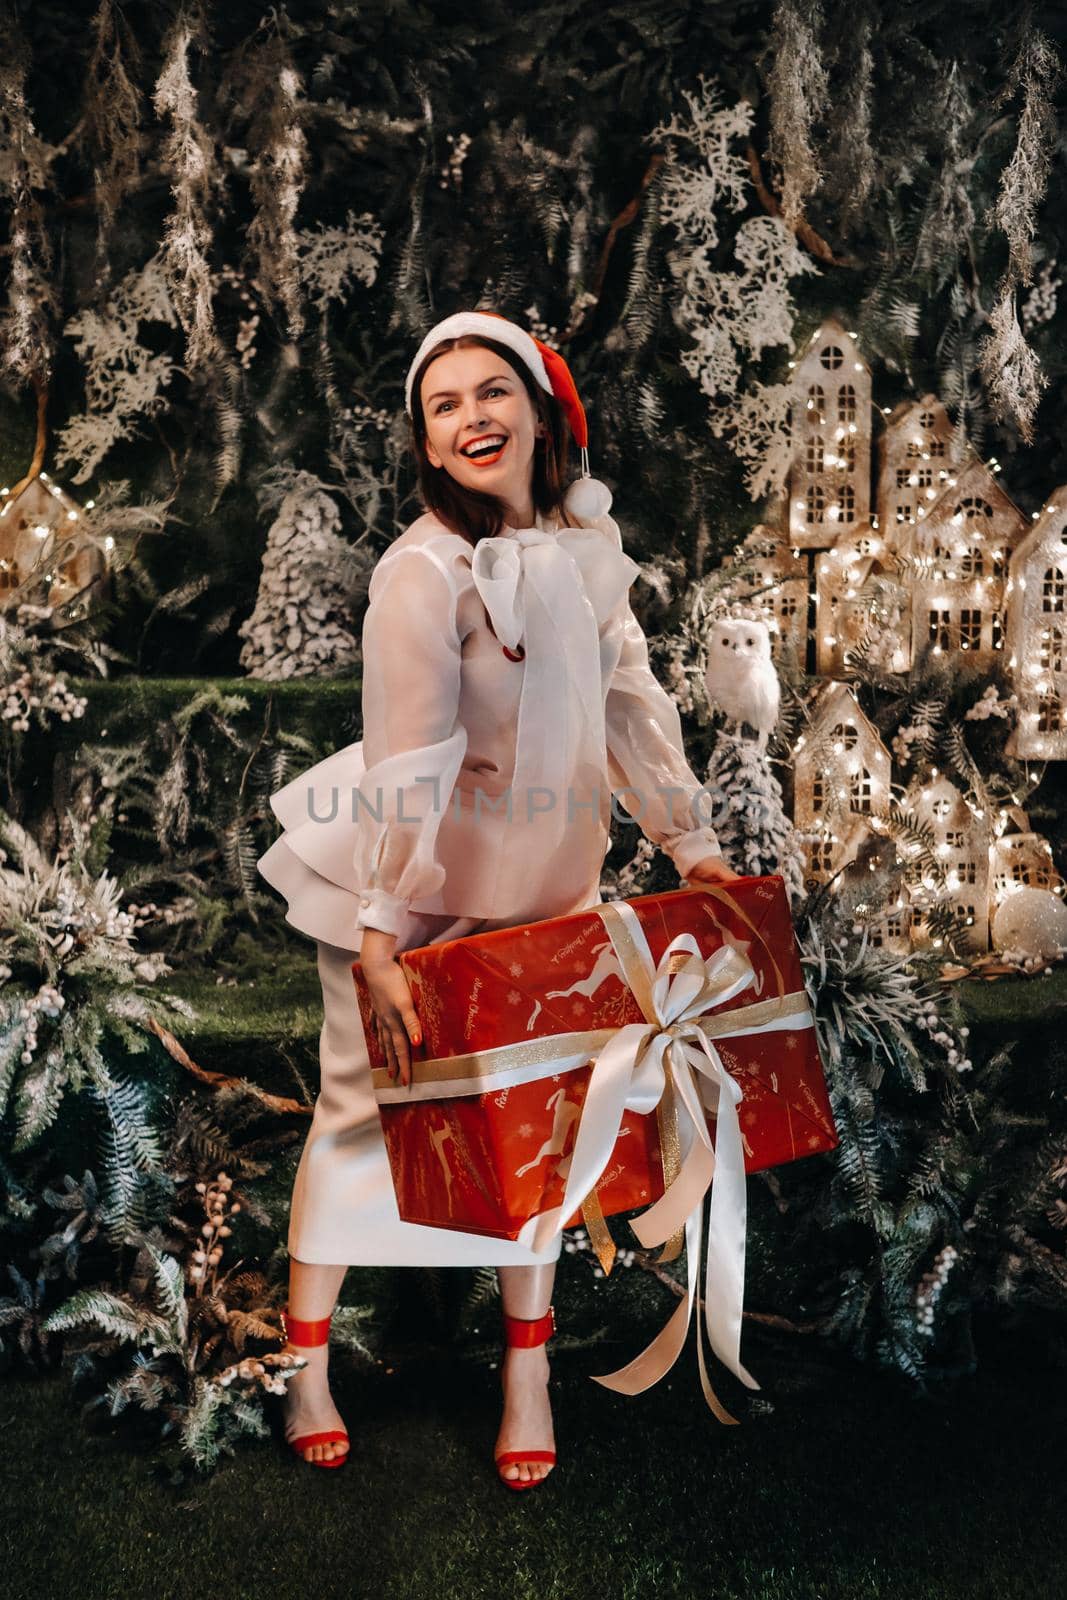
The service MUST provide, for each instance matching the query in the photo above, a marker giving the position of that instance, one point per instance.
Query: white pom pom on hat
(586, 497)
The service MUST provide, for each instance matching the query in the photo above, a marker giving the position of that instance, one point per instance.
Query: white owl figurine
(740, 677)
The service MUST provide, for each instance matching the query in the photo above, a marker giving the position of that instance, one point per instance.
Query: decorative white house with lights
(917, 459)
(962, 844)
(1037, 634)
(830, 478)
(958, 557)
(1019, 859)
(45, 555)
(776, 584)
(841, 767)
(861, 605)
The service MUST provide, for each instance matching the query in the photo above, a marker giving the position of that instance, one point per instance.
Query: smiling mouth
(485, 455)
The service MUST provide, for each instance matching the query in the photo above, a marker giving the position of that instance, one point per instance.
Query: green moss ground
(843, 1487)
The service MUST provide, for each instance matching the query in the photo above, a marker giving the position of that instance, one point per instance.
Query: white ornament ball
(588, 499)
(1032, 922)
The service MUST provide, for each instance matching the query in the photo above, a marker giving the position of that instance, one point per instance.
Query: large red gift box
(512, 1021)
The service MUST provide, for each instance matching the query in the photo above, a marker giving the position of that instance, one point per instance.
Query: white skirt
(344, 1208)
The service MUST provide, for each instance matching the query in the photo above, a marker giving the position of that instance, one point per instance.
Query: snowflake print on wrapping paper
(526, 1129)
(514, 997)
(579, 1007)
(792, 1042)
(516, 969)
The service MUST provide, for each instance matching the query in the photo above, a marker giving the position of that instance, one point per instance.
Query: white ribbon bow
(643, 1060)
(552, 593)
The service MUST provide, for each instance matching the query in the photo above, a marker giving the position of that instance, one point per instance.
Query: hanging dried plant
(1010, 369)
(188, 155)
(799, 90)
(28, 344)
(267, 90)
(111, 119)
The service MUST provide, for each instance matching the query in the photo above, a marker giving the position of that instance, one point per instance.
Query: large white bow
(552, 593)
(671, 1054)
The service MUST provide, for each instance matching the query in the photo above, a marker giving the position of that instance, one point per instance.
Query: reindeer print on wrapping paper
(439, 1137)
(564, 1112)
(606, 966)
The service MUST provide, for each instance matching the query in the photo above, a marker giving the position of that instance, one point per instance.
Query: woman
(501, 662)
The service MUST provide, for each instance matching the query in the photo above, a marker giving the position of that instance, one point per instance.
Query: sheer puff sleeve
(646, 753)
(413, 742)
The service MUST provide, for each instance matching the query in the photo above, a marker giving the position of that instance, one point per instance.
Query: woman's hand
(712, 869)
(395, 1019)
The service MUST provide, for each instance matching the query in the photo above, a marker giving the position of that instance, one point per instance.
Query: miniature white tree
(301, 626)
(747, 814)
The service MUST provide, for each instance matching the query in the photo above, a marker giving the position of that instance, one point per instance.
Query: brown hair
(468, 512)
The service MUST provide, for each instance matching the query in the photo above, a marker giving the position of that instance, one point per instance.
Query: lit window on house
(787, 606)
(940, 629)
(996, 630)
(970, 628)
(954, 837)
(846, 403)
(941, 806)
(846, 499)
(831, 357)
(860, 789)
(972, 562)
(813, 455)
(815, 505)
(903, 477)
(973, 509)
(1049, 714)
(1052, 590)
(940, 557)
(822, 855)
(905, 513)
(817, 402)
(967, 869)
(1051, 658)
(936, 448)
(846, 454)
(818, 796)
(847, 734)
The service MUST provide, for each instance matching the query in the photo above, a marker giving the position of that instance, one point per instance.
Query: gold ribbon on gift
(667, 1063)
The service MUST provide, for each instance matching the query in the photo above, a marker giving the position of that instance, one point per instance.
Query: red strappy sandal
(523, 1334)
(308, 1335)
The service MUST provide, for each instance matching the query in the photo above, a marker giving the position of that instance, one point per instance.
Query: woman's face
(472, 399)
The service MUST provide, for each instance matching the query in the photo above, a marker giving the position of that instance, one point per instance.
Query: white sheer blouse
(510, 676)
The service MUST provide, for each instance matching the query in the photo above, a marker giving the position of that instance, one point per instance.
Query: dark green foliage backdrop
(558, 103)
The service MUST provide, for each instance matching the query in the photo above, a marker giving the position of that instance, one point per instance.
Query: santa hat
(587, 497)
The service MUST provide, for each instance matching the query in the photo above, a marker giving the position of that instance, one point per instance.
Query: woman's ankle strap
(306, 1334)
(524, 1333)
